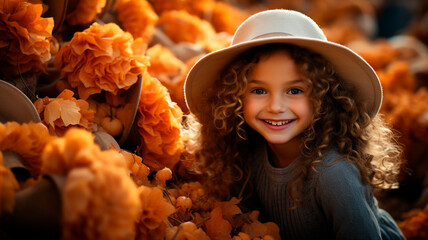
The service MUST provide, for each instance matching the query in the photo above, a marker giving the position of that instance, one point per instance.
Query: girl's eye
(258, 91)
(295, 91)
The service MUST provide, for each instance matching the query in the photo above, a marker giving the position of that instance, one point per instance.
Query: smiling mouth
(277, 123)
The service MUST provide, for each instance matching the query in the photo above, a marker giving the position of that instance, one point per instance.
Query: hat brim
(348, 65)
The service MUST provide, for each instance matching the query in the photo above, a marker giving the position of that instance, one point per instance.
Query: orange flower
(99, 199)
(159, 125)
(99, 202)
(28, 140)
(137, 17)
(75, 149)
(397, 76)
(415, 224)
(181, 26)
(63, 112)
(138, 171)
(100, 58)
(378, 53)
(8, 187)
(85, 12)
(227, 18)
(155, 211)
(163, 62)
(199, 8)
(25, 39)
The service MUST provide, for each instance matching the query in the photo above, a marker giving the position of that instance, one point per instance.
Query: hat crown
(274, 23)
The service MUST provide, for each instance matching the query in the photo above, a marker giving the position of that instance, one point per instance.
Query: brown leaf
(217, 227)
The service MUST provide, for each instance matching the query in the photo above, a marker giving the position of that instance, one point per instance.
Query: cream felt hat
(285, 26)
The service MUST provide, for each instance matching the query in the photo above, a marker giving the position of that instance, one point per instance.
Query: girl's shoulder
(335, 168)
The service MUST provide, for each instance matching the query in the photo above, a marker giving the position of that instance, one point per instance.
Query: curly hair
(338, 121)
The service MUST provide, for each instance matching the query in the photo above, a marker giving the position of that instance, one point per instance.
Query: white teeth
(277, 123)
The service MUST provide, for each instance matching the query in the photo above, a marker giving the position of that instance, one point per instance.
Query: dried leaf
(230, 207)
(70, 114)
(217, 227)
(52, 112)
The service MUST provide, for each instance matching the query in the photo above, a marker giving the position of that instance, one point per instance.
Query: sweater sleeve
(345, 202)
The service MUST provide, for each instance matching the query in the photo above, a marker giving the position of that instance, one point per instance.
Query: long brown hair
(339, 121)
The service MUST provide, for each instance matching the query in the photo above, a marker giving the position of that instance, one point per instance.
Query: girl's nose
(277, 104)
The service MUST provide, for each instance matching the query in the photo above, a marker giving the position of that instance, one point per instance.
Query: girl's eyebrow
(290, 82)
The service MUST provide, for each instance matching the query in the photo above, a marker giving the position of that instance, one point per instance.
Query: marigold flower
(85, 12)
(397, 76)
(155, 211)
(138, 171)
(138, 18)
(199, 8)
(159, 125)
(182, 26)
(99, 202)
(415, 224)
(99, 199)
(25, 42)
(163, 62)
(65, 111)
(227, 18)
(8, 187)
(75, 149)
(100, 58)
(28, 140)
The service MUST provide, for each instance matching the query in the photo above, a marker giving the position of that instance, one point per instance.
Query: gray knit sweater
(334, 202)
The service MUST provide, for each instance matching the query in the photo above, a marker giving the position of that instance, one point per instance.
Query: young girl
(289, 123)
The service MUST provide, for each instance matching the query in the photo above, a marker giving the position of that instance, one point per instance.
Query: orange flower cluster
(176, 22)
(155, 209)
(199, 8)
(138, 171)
(181, 26)
(25, 42)
(159, 125)
(101, 187)
(74, 150)
(415, 224)
(63, 112)
(224, 17)
(28, 140)
(397, 76)
(164, 65)
(217, 219)
(8, 187)
(97, 191)
(85, 12)
(171, 71)
(100, 58)
(227, 18)
(137, 17)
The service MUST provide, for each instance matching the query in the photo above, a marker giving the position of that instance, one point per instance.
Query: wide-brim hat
(292, 27)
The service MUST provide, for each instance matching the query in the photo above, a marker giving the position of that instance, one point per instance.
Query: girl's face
(276, 101)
